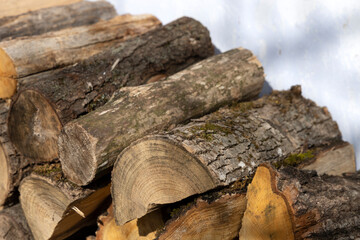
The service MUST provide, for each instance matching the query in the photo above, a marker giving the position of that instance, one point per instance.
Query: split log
(67, 47)
(13, 224)
(55, 18)
(294, 204)
(215, 150)
(89, 145)
(55, 208)
(38, 115)
(11, 8)
(143, 229)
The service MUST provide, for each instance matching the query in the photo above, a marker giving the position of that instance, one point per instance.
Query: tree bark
(96, 139)
(55, 208)
(67, 47)
(11, 8)
(38, 115)
(215, 150)
(55, 18)
(294, 204)
(143, 229)
(13, 224)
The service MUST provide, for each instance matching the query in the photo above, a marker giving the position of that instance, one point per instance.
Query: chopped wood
(55, 208)
(27, 56)
(293, 204)
(143, 229)
(215, 150)
(90, 145)
(38, 115)
(55, 18)
(13, 224)
(11, 8)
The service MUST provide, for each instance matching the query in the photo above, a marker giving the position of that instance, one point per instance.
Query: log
(55, 18)
(96, 139)
(10, 8)
(55, 208)
(67, 47)
(38, 114)
(293, 204)
(215, 151)
(143, 229)
(13, 224)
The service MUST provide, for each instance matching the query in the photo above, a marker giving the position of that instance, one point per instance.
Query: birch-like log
(216, 150)
(27, 56)
(55, 208)
(90, 145)
(294, 204)
(38, 115)
(55, 18)
(13, 224)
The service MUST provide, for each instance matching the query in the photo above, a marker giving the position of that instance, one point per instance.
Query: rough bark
(294, 204)
(55, 208)
(143, 229)
(216, 150)
(37, 115)
(96, 139)
(214, 219)
(13, 224)
(55, 18)
(11, 8)
(26, 56)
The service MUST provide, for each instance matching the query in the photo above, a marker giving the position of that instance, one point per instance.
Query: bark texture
(37, 115)
(216, 150)
(302, 205)
(55, 18)
(11, 8)
(90, 145)
(13, 224)
(55, 208)
(26, 56)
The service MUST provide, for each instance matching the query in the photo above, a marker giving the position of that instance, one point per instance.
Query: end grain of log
(71, 92)
(13, 224)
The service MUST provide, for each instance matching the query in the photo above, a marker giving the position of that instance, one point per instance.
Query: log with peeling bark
(294, 204)
(216, 150)
(38, 115)
(55, 18)
(55, 208)
(13, 224)
(11, 8)
(89, 145)
(138, 229)
(26, 56)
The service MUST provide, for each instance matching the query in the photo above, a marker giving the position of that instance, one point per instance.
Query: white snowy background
(315, 43)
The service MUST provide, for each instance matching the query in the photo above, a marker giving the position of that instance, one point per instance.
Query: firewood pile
(119, 127)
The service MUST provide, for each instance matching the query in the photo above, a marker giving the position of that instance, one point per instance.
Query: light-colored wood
(335, 161)
(266, 216)
(10, 7)
(13, 224)
(96, 139)
(143, 229)
(55, 18)
(26, 56)
(67, 93)
(310, 206)
(215, 151)
(56, 209)
(8, 86)
(218, 219)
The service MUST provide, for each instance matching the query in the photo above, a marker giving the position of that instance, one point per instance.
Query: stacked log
(13, 224)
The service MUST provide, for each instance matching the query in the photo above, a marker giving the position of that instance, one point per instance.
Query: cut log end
(4, 177)
(266, 216)
(76, 142)
(153, 172)
(8, 87)
(34, 126)
(7, 67)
